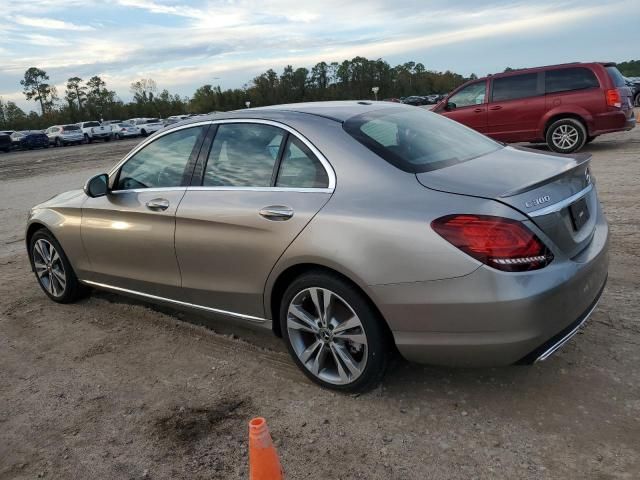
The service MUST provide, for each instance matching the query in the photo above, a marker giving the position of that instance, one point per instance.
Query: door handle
(478, 110)
(277, 213)
(157, 204)
(495, 107)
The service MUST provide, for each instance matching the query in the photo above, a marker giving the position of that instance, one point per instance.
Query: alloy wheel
(49, 267)
(327, 336)
(565, 137)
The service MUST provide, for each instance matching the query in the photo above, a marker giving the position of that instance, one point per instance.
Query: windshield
(416, 140)
(91, 124)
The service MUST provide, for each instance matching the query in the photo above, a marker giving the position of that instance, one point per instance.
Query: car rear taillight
(501, 243)
(613, 98)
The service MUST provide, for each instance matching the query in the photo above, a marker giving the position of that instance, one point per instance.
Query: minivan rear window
(567, 79)
(416, 140)
(615, 76)
(71, 127)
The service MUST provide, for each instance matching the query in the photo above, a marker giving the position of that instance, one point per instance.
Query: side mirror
(450, 106)
(97, 186)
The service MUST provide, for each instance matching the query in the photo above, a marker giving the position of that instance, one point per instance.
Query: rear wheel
(566, 135)
(636, 101)
(143, 132)
(333, 333)
(57, 142)
(117, 136)
(52, 268)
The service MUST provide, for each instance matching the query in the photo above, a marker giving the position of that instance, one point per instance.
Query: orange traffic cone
(263, 458)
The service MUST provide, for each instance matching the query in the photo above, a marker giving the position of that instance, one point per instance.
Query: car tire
(636, 101)
(117, 136)
(56, 142)
(48, 261)
(566, 135)
(143, 132)
(329, 351)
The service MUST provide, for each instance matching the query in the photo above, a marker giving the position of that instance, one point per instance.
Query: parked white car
(63, 135)
(94, 131)
(146, 126)
(123, 130)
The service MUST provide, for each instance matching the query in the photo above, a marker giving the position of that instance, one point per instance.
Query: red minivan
(565, 106)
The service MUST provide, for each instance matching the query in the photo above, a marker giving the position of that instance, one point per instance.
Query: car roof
(338, 111)
(520, 71)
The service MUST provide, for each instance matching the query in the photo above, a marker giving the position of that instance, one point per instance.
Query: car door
(261, 184)
(468, 106)
(128, 234)
(517, 103)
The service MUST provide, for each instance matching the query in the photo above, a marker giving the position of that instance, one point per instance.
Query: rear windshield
(91, 124)
(71, 127)
(416, 140)
(153, 120)
(616, 77)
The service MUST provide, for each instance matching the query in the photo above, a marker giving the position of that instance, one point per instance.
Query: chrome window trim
(556, 207)
(325, 163)
(261, 189)
(242, 316)
(155, 189)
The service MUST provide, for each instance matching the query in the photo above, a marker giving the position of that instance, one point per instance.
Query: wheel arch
(583, 117)
(273, 295)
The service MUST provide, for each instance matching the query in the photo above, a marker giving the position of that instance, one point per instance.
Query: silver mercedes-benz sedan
(351, 229)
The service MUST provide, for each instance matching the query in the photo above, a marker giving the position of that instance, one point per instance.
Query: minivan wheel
(52, 268)
(333, 333)
(566, 135)
(636, 102)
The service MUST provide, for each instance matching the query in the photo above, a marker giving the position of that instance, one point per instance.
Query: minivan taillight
(501, 243)
(613, 98)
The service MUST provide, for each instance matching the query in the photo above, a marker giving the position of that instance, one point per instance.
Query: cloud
(49, 24)
(183, 46)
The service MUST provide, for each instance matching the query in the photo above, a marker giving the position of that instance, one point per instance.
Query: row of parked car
(84, 132)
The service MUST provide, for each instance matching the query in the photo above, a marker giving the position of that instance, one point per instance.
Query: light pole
(375, 91)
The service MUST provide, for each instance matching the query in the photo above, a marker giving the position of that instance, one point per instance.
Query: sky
(185, 44)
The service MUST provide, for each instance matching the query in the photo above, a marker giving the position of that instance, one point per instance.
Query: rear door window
(567, 79)
(299, 168)
(243, 155)
(515, 87)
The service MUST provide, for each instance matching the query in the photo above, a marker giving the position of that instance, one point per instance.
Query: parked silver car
(346, 228)
(123, 130)
(63, 135)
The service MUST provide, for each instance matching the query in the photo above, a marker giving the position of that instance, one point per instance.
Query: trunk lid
(554, 190)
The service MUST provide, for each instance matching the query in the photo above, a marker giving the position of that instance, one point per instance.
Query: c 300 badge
(536, 202)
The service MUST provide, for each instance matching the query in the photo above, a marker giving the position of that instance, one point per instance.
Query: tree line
(350, 79)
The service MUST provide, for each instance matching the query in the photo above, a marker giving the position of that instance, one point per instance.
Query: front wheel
(333, 333)
(636, 101)
(566, 135)
(52, 268)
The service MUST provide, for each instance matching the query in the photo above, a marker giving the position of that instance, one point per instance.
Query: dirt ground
(111, 388)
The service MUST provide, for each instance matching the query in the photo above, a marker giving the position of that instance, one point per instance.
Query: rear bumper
(492, 318)
(612, 122)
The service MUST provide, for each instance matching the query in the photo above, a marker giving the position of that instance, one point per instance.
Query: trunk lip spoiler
(580, 160)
